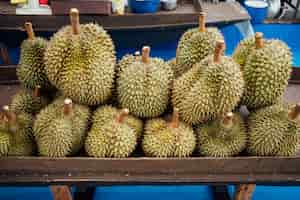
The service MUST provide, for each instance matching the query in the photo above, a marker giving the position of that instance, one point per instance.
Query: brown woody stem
(68, 105)
(10, 116)
(175, 119)
(227, 120)
(29, 30)
(294, 113)
(124, 113)
(259, 40)
(74, 18)
(219, 50)
(146, 54)
(37, 91)
(202, 22)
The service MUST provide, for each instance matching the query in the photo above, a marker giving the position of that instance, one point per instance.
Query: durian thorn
(219, 50)
(29, 30)
(146, 54)
(37, 91)
(124, 113)
(202, 22)
(10, 116)
(227, 120)
(294, 113)
(68, 106)
(175, 119)
(74, 18)
(259, 40)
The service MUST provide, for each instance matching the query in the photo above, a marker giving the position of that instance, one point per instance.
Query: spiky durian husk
(215, 140)
(31, 69)
(194, 46)
(266, 71)
(271, 133)
(145, 88)
(208, 90)
(24, 101)
(177, 69)
(160, 140)
(82, 66)
(58, 135)
(124, 62)
(4, 143)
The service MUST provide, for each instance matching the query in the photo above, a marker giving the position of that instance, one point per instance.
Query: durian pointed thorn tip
(74, 18)
(228, 120)
(67, 106)
(202, 22)
(29, 30)
(175, 119)
(294, 113)
(37, 91)
(124, 113)
(146, 54)
(259, 40)
(219, 50)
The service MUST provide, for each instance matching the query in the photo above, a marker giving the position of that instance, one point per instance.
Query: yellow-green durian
(195, 44)
(31, 69)
(168, 139)
(274, 131)
(28, 101)
(60, 128)
(144, 86)
(210, 89)
(80, 61)
(113, 133)
(223, 137)
(266, 66)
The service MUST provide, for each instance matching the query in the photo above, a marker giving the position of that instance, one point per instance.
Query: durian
(168, 139)
(210, 89)
(28, 102)
(113, 133)
(31, 70)
(222, 137)
(144, 86)
(274, 131)
(194, 45)
(266, 67)
(80, 62)
(60, 128)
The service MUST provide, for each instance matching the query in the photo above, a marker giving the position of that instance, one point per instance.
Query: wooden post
(60, 192)
(244, 192)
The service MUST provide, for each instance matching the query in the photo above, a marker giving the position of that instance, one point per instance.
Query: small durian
(274, 131)
(210, 89)
(31, 69)
(194, 45)
(168, 139)
(266, 67)
(28, 101)
(113, 133)
(222, 137)
(144, 86)
(16, 135)
(80, 61)
(60, 128)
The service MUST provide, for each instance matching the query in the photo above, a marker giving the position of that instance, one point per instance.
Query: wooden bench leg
(244, 192)
(61, 192)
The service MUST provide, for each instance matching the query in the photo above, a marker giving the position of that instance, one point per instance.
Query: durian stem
(202, 22)
(29, 30)
(74, 18)
(294, 113)
(219, 50)
(227, 121)
(175, 119)
(137, 55)
(146, 54)
(68, 105)
(259, 40)
(124, 113)
(10, 116)
(37, 92)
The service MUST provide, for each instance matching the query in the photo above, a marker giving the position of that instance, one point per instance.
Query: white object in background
(274, 8)
(245, 28)
(33, 7)
(169, 4)
(118, 6)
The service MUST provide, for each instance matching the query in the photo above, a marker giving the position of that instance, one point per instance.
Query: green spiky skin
(108, 138)
(266, 71)
(194, 46)
(177, 69)
(271, 133)
(215, 140)
(145, 88)
(4, 143)
(31, 69)
(160, 140)
(208, 90)
(58, 135)
(82, 66)
(24, 101)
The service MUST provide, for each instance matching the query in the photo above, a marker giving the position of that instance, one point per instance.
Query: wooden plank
(261, 170)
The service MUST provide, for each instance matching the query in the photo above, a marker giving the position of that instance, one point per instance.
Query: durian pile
(75, 99)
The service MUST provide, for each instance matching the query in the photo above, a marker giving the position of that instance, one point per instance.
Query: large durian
(194, 45)
(144, 86)
(28, 101)
(222, 137)
(31, 69)
(60, 128)
(113, 134)
(266, 66)
(168, 139)
(210, 89)
(274, 131)
(16, 136)
(80, 62)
